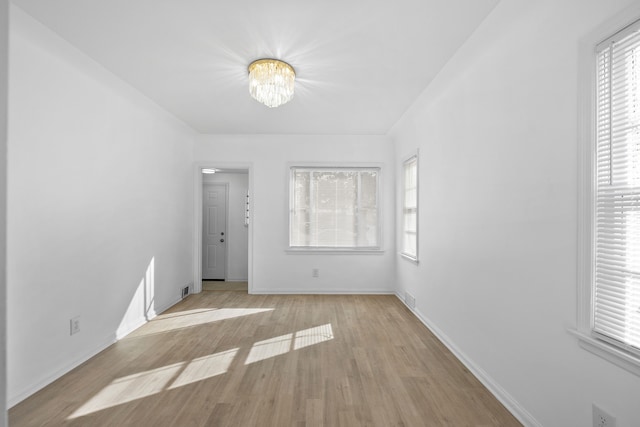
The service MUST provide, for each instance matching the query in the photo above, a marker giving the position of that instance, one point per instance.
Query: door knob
(222, 234)
(222, 240)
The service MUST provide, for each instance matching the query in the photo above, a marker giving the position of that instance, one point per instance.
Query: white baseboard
(48, 379)
(321, 292)
(500, 393)
(110, 340)
(166, 307)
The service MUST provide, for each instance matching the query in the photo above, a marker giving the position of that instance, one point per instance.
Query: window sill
(607, 351)
(334, 251)
(410, 258)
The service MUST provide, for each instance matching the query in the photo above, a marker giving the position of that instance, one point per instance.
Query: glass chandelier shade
(271, 82)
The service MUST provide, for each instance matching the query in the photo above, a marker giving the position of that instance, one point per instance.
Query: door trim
(197, 219)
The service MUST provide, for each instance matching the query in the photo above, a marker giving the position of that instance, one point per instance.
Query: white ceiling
(360, 63)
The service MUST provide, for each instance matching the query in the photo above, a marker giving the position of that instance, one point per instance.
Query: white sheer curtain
(410, 209)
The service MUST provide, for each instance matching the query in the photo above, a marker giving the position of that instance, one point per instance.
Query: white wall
(237, 236)
(100, 210)
(275, 270)
(4, 61)
(497, 133)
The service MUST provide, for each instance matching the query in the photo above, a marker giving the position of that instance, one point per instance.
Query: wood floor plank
(232, 359)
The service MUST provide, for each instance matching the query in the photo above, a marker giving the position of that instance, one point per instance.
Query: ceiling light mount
(271, 81)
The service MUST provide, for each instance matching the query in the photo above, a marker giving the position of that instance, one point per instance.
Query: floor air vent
(410, 300)
(185, 291)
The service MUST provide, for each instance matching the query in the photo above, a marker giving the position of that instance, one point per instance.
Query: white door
(214, 230)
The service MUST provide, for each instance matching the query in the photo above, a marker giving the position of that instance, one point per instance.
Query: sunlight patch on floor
(185, 319)
(147, 383)
(313, 336)
(205, 367)
(129, 388)
(272, 347)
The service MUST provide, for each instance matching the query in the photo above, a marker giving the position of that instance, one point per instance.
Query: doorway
(223, 230)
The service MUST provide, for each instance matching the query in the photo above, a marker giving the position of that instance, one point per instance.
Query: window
(616, 296)
(610, 226)
(334, 208)
(410, 209)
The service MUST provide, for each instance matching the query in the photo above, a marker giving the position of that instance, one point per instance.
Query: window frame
(587, 140)
(414, 157)
(378, 249)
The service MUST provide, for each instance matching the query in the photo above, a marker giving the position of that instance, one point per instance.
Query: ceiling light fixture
(271, 82)
(208, 170)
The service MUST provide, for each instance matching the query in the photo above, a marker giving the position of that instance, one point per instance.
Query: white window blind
(410, 209)
(616, 292)
(334, 208)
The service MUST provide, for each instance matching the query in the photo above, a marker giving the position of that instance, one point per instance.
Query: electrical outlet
(74, 325)
(315, 273)
(601, 418)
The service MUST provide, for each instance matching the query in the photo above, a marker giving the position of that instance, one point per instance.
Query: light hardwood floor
(232, 359)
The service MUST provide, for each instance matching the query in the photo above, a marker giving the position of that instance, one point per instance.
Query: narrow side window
(410, 209)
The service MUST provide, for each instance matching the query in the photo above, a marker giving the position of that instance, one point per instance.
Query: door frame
(224, 185)
(197, 219)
